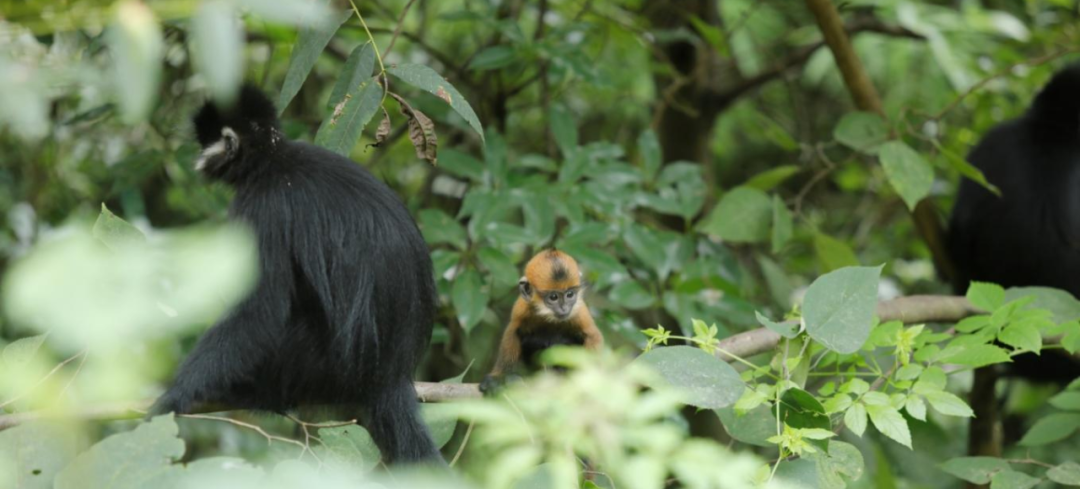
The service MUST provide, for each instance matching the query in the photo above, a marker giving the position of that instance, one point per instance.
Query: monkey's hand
(492, 383)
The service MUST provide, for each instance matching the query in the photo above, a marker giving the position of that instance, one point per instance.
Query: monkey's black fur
(346, 298)
(1030, 236)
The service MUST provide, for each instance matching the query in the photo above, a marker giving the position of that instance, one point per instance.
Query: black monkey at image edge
(345, 301)
(1030, 235)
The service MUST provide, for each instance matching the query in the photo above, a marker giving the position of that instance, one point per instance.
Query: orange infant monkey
(549, 312)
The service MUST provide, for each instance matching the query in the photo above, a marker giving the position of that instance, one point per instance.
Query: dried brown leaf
(384, 128)
(421, 131)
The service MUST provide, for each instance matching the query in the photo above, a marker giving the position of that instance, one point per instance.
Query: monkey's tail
(393, 419)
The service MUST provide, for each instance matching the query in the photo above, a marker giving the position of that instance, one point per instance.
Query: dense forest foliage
(757, 192)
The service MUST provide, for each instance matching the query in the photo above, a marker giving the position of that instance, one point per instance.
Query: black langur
(1030, 235)
(345, 301)
(550, 311)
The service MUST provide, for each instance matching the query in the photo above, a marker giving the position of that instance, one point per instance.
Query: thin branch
(46, 377)
(397, 30)
(464, 442)
(254, 427)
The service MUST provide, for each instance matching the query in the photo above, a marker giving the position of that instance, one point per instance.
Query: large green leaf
(134, 459)
(115, 232)
(470, 298)
(1054, 427)
(358, 70)
(310, 43)
(742, 216)
(218, 48)
(425, 78)
(1011, 479)
(839, 307)
(348, 447)
(833, 253)
(32, 454)
(753, 427)
(702, 379)
(1067, 473)
(1062, 304)
(977, 470)
(343, 126)
(907, 171)
(890, 423)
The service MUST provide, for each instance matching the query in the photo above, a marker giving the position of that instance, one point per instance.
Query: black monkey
(1029, 236)
(346, 298)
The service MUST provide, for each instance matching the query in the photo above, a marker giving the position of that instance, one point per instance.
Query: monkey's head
(552, 285)
(235, 139)
(1057, 106)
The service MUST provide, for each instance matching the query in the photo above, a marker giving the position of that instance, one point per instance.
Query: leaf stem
(382, 69)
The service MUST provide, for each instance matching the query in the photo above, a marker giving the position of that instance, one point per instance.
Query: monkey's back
(363, 295)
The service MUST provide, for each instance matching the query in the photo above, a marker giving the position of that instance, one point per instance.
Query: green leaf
(441, 419)
(787, 329)
(1067, 473)
(461, 165)
(907, 171)
(470, 298)
(986, 296)
(800, 409)
(136, 45)
(861, 131)
(500, 267)
(348, 447)
(133, 459)
(310, 43)
(752, 427)
(855, 419)
(1011, 479)
(563, 129)
(340, 130)
(649, 148)
(1062, 304)
(741, 216)
(21, 351)
(948, 404)
(833, 253)
(1067, 400)
(778, 282)
(781, 224)
(631, 295)
(1055, 427)
(977, 356)
(217, 49)
(842, 464)
(890, 423)
(358, 69)
(664, 252)
(425, 78)
(38, 451)
(966, 169)
(769, 179)
(977, 470)
(915, 406)
(838, 308)
(492, 58)
(116, 233)
(438, 227)
(701, 379)
(1022, 336)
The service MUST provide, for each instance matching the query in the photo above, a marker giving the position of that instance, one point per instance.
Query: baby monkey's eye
(570, 295)
(553, 297)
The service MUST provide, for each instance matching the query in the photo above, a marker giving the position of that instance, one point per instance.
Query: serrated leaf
(861, 131)
(915, 406)
(1067, 473)
(907, 171)
(358, 69)
(977, 356)
(855, 419)
(986, 296)
(839, 306)
(1011, 479)
(1022, 336)
(948, 404)
(702, 380)
(977, 470)
(425, 78)
(310, 43)
(469, 297)
(742, 216)
(1052, 428)
(890, 423)
(781, 224)
(340, 131)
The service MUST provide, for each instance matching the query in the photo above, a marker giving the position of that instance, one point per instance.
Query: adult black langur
(1030, 235)
(345, 302)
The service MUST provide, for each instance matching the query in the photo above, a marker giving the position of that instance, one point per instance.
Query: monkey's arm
(593, 339)
(507, 358)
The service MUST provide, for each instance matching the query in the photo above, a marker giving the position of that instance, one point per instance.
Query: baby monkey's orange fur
(549, 311)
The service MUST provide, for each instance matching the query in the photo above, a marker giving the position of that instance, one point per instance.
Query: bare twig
(42, 380)
(464, 442)
(254, 427)
(397, 30)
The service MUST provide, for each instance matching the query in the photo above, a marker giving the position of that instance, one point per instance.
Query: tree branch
(913, 309)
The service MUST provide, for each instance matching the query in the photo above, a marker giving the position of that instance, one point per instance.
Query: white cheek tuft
(217, 148)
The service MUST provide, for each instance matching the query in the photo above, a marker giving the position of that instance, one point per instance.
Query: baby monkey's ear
(525, 288)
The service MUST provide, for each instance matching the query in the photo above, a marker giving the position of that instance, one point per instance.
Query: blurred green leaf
(36, 452)
(133, 459)
(1011, 479)
(310, 43)
(961, 166)
(500, 268)
(470, 298)
(425, 78)
(461, 165)
(861, 131)
(116, 233)
(218, 49)
(649, 148)
(907, 171)
(441, 419)
(493, 58)
(564, 129)
(742, 216)
(976, 356)
(833, 253)
(1067, 473)
(631, 295)
(839, 307)
(986, 296)
(948, 404)
(136, 45)
(769, 179)
(1051, 428)
(976, 470)
(441, 228)
(701, 379)
(294, 12)
(781, 224)
(348, 447)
